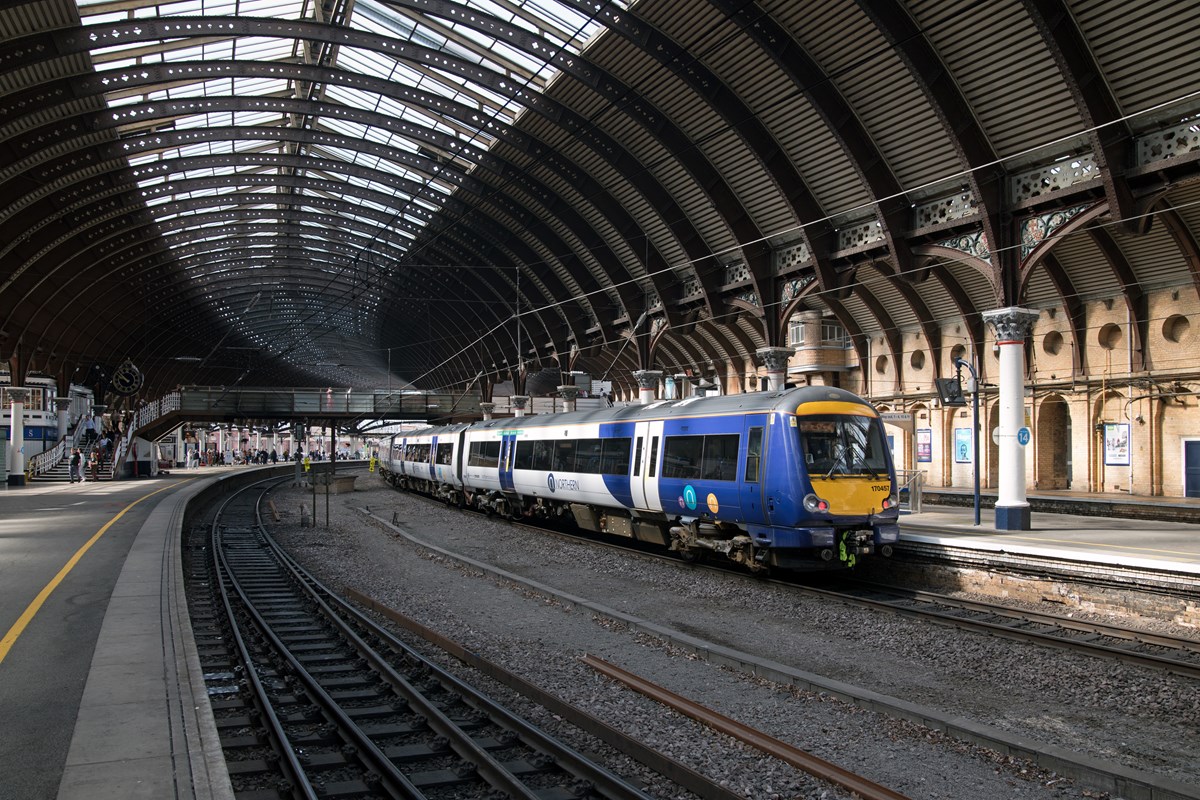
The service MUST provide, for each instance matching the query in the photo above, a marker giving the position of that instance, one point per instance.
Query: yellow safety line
(23, 621)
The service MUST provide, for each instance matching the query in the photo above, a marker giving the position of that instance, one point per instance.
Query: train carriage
(799, 479)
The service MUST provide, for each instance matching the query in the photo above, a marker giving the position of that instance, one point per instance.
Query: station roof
(290, 192)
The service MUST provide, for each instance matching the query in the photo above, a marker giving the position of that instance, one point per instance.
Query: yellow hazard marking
(26, 617)
(834, 407)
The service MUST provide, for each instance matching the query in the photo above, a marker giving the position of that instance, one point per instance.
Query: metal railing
(43, 462)
(910, 483)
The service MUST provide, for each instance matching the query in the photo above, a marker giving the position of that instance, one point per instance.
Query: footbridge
(209, 404)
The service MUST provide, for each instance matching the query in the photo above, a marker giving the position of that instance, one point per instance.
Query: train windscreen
(842, 445)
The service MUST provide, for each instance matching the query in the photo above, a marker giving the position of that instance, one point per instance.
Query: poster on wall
(924, 444)
(962, 445)
(1116, 444)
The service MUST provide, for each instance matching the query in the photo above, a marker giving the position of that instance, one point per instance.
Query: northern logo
(550, 481)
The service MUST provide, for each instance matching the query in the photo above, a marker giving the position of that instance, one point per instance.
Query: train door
(643, 480)
(508, 449)
(432, 458)
(754, 464)
(460, 455)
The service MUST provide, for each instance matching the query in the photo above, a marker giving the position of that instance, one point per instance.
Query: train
(798, 479)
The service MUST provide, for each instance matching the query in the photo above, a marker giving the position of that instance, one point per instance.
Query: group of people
(195, 458)
(78, 467)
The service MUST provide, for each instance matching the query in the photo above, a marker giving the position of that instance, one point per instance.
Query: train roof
(746, 403)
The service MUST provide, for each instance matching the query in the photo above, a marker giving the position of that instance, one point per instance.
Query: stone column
(647, 381)
(775, 359)
(487, 409)
(682, 385)
(569, 395)
(1012, 325)
(62, 405)
(16, 436)
(519, 401)
(98, 418)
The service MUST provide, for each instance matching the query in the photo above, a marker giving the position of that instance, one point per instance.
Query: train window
(587, 456)
(681, 456)
(524, 457)
(844, 445)
(614, 459)
(484, 454)
(652, 467)
(720, 457)
(753, 454)
(637, 458)
(564, 456)
(445, 453)
(543, 455)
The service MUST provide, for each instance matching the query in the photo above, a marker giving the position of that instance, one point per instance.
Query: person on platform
(76, 466)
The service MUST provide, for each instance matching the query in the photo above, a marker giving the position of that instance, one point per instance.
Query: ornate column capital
(1012, 324)
(648, 378)
(567, 392)
(519, 401)
(487, 409)
(16, 394)
(775, 359)
(62, 403)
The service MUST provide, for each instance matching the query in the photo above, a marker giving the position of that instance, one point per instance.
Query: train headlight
(891, 502)
(813, 504)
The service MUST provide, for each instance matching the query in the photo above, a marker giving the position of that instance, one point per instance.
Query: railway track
(1170, 654)
(1175, 655)
(315, 701)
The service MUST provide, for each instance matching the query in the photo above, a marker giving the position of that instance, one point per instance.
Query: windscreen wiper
(836, 461)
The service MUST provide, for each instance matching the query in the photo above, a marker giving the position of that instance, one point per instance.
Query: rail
(43, 462)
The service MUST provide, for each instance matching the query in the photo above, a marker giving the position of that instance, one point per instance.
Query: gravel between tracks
(1124, 714)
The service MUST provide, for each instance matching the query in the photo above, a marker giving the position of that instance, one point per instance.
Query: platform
(1132, 543)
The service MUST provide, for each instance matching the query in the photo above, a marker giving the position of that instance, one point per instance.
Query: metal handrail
(913, 480)
(43, 462)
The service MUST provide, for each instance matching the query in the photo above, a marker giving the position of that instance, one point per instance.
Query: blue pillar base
(1012, 518)
(16, 479)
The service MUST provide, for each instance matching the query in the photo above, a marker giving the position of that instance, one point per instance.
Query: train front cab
(829, 488)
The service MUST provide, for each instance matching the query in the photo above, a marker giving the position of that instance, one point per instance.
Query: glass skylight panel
(218, 8)
(277, 9)
(350, 97)
(263, 48)
(254, 119)
(221, 50)
(354, 130)
(559, 26)
(198, 149)
(255, 87)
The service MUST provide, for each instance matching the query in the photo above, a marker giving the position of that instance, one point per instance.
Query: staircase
(61, 472)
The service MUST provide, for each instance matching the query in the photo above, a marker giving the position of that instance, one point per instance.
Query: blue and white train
(800, 479)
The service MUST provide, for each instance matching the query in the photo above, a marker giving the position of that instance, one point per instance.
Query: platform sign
(1023, 436)
(962, 445)
(901, 419)
(924, 445)
(1116, 444)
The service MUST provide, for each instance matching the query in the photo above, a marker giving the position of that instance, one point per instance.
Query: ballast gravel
(1126, 715)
